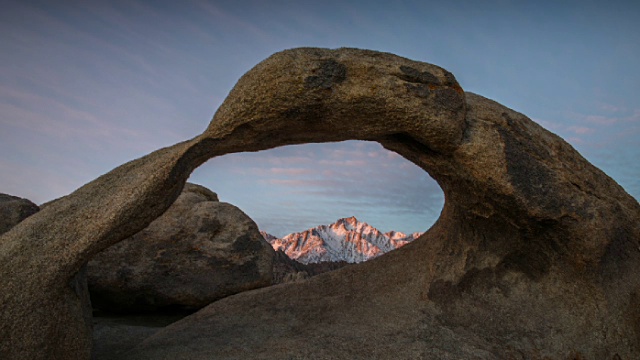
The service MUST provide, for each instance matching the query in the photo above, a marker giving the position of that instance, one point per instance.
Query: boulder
(200, 250)
(535, 255)
(13, 210)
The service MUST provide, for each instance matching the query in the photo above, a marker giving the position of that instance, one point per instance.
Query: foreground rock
(199, 251)
(114, 334)
(13, 210)
(536, 253)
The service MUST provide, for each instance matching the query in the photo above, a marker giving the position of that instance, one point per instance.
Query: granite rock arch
(533, 241)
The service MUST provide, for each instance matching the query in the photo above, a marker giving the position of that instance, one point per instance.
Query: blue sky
(88, 85)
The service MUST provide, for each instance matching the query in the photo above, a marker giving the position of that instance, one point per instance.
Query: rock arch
(535, 253)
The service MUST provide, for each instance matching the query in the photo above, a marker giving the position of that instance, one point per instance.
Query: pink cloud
(306, 183)
(611, 108)
(601, 120)
(582, 130)
(290, 171)
(288, 160)
(343, 163)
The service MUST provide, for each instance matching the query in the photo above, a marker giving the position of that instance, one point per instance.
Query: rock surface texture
(535, 255)
(200, 250)
(13, 210)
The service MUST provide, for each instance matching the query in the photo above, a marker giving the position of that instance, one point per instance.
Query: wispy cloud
(44, 114)
(601, 120)
(608, 138)
(581, 130)
(325, 180)
(291, 171)
(611, 108)
(232, 22)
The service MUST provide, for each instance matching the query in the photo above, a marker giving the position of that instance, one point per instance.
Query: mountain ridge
(347, 239)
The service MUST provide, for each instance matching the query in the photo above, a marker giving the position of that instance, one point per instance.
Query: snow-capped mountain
(345, 240)
(267, 236)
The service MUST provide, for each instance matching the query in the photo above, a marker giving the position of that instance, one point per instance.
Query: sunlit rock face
(536, 252)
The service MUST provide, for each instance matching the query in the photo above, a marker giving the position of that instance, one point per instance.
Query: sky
(88, 85)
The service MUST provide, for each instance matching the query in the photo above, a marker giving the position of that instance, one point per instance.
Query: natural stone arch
(526, 219)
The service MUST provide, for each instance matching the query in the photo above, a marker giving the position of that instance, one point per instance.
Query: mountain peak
(350, 220)
(350, 224)
(345, 240)
(347, 220)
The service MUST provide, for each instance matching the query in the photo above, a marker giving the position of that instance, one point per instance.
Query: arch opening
(292, 189)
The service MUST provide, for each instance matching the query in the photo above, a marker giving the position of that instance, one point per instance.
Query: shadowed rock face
(535, 254)
(200, 250)
(13, 210)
